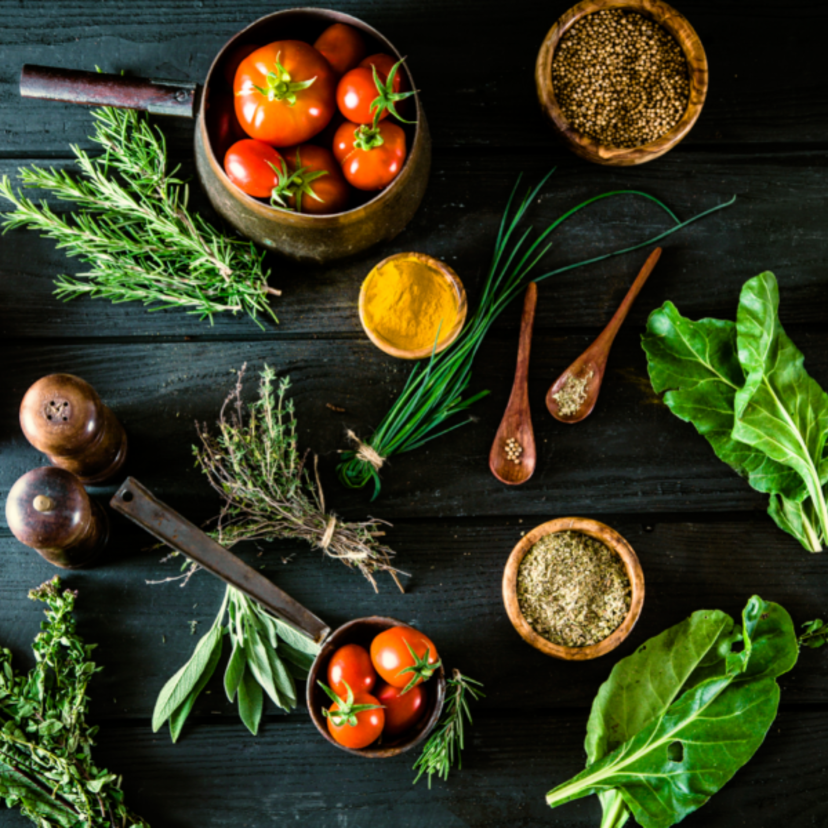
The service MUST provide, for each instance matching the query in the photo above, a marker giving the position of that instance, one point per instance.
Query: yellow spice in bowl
(407, 301)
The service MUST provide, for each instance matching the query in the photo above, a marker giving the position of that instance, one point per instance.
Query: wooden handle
(99, 89)
(140, 505)
(527, 323)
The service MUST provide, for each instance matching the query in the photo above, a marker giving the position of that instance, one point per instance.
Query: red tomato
(222, 125)
(342, 45)
(320, 189)
(402, 710)
(385, 63)
(233, 58)
(391, 654)
(285, 93)
(357, 89)
(247, 164)
(350, 664)
(369, 724)
(370, 169)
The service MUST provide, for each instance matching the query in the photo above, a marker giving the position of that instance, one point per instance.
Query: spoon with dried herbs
(574, 394)
(513, 455)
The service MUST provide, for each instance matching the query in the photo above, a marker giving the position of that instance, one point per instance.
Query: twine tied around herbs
(366, 453)
(329, 531)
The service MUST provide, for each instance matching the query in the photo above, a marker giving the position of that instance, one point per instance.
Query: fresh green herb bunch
(46, 766)
(443, 748)
(134, 229)
(814, 634)
(433, 394)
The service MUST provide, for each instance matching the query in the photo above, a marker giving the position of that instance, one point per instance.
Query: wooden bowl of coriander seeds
(621, 81)
(573, 588)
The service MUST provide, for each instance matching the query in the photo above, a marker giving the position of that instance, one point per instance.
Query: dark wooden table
(701, 533)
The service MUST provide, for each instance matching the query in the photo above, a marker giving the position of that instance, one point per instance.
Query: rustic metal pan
(304, 238)
(137, 503)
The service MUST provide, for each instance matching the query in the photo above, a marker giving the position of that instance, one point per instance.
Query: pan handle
(140, 505)
(99, 89)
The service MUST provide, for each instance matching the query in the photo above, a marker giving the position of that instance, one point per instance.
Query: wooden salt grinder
(62, 416)
(49, 510)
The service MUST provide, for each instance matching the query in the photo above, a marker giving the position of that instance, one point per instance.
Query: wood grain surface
(700, 533)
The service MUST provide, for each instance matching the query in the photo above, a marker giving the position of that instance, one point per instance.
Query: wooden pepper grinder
(62, 416)
(49, 510)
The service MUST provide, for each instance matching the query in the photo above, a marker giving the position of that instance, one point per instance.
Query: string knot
(367, 453)
(329, 531)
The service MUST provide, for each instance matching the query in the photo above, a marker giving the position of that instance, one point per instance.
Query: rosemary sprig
(46, 767)
(434, 391)
(134, 230)
(445, 744)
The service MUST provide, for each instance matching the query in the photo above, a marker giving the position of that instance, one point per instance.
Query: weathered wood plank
(219, 777)
(475, 68)
(632, 455)
(775, 224)
(453, 594)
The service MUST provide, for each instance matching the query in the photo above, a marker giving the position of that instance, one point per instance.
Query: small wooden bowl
(462, 309)
(607, 536)
(363, 631)
(684, 34)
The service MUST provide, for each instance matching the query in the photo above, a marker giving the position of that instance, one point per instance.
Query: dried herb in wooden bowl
(573, 589)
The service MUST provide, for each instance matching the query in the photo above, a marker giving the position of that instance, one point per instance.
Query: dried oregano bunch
(46, 767)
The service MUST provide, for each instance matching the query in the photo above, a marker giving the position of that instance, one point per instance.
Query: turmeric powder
(406, 301)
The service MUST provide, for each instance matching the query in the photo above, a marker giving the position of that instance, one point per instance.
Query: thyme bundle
(433, 394)
(134, 230)
(46, 766)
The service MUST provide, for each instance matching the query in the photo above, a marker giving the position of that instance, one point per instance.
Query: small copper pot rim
(287, 216)
(601, 532)
(453, 280)
(684, 34)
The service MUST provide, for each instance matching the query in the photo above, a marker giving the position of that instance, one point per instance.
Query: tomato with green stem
(285, 93)
(402, 710)
(253, 167)
(404, 657)
(370, 158)
(350, 666)
(314, 183)
(354, 721)
(234, 58)
(370, 92)
(343, 47)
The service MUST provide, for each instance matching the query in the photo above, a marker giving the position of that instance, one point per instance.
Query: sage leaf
(179, 716)
(251, 701)
(298, 641)
(234, 671)
(258, 661)
(781, 410)
(176, 690)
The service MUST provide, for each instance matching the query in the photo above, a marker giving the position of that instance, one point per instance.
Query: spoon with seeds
(513, 457)
(574, 394)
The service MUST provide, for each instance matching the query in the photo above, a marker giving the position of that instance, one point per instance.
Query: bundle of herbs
(675, 721)
(268, 493)
(135, 231)
(46, 765)
(744, 387)
(433, 394)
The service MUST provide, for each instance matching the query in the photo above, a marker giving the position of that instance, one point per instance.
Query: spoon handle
(527, 322)
(608, 334)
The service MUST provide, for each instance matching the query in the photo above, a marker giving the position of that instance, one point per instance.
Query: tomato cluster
(285, 95)
(382, 693)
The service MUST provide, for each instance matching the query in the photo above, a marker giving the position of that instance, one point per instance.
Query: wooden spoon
(591, 364)
(513, 457)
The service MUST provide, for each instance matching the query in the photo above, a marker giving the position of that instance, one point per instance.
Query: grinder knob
(62, 416)
(49, 510)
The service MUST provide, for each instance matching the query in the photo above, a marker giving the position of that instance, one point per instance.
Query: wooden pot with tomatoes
(310, 137)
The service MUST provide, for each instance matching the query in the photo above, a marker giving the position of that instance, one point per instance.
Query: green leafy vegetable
(678, 718)
(814, 634)
(743, 386)
(46, 766)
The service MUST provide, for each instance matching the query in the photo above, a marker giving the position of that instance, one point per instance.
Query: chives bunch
(434, 392)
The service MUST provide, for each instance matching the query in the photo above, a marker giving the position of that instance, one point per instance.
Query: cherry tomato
(222, 125)
(320, 190)
(350, 665)
(370, 169)
(233, 58)
(369, 724)
(391, 654)
(247, 164)
(285, 93)
(402, 710)
(343, 46)
(357, 89)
